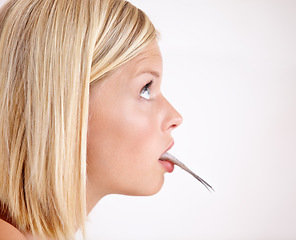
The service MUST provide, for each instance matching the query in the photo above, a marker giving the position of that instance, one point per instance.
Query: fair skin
(128, 133)
(128, 130)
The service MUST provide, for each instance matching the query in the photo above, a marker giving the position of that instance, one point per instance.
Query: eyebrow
(155, 74)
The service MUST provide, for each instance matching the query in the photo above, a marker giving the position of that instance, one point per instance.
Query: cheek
(140, 131)
(135, 135)
(121, 146)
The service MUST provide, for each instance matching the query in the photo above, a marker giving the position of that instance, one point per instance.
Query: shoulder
(9, 232)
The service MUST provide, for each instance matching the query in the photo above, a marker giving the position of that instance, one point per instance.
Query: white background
(230, 69)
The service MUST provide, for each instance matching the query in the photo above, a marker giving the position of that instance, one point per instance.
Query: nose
(172, 117)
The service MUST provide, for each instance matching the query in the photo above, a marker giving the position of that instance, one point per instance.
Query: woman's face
(129, 129)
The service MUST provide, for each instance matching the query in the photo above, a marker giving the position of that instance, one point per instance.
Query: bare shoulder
(9, 232)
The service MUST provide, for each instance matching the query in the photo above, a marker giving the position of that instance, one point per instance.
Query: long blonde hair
(51, 51)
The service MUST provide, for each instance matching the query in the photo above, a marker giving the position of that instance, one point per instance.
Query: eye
(145, 92)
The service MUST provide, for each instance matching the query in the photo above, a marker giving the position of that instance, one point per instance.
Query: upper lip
(170, 146)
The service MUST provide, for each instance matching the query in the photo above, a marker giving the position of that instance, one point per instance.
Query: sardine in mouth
(168, 157)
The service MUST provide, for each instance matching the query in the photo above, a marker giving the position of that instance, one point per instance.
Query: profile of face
(129, 128)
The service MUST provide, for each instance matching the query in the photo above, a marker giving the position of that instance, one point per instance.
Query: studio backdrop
(230, 70)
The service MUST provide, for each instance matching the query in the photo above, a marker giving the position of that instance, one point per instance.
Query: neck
(93, 196)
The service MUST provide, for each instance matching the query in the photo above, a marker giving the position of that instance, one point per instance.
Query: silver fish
(168, 157)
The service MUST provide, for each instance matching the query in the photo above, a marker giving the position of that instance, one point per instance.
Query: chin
(146, 190)
(150, 189)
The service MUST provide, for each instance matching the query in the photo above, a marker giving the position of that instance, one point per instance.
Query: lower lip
(168, 166)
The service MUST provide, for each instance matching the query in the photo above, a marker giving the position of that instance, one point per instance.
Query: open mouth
(168, 165)
(169, 160)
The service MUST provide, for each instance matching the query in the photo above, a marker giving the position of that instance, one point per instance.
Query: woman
(82, 115)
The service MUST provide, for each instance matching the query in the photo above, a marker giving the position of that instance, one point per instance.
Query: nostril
(173, 126)
(176, 121)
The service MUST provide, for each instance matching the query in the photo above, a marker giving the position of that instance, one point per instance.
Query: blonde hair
(51, 51)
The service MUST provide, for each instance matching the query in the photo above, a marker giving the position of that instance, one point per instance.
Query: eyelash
(146, 88)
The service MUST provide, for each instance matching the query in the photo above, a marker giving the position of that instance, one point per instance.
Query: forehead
(149, 59)
(151, 52)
